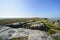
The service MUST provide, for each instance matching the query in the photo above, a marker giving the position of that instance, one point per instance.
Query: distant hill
(2, 18)
(54, 18)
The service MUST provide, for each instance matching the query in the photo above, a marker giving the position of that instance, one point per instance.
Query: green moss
(51, 31)
(56, 38)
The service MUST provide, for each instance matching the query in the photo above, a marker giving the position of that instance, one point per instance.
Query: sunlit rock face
(6, 33)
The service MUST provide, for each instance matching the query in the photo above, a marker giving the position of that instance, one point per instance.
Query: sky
(29, 8)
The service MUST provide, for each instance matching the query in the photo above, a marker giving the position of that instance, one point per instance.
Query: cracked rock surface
(7, 33)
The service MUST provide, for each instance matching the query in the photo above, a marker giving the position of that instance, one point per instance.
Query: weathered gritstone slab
(21, 32)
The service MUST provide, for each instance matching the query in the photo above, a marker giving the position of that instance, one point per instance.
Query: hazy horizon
(29, 8)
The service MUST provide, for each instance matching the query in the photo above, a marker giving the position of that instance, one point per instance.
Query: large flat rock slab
(9, 33)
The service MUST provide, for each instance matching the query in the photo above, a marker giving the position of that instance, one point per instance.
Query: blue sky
(30, 8)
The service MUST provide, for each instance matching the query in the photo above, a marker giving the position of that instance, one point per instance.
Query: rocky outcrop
(34, 25)
(55, 22)
(21, 32)
(16, 25)
(40, 26)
